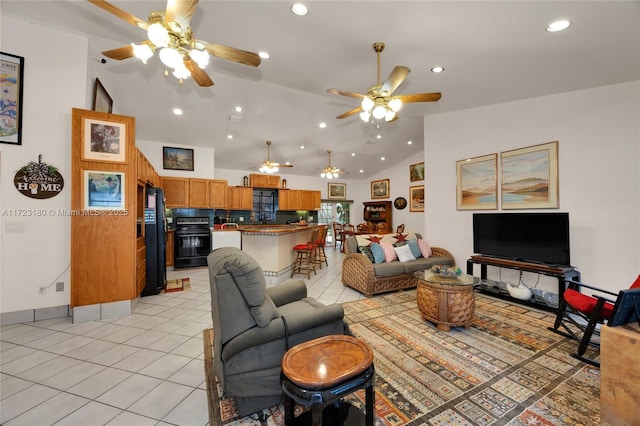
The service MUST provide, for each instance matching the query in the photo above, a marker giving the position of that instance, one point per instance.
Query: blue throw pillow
(415, 250)
(378, 253)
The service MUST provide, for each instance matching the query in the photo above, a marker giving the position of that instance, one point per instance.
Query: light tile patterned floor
(143, 369)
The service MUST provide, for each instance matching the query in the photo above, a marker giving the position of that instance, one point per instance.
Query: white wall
(54, 83)
(599, 174)
(203, 159)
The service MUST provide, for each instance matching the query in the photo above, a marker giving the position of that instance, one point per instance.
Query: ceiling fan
(170, 34)
(269, 166)
(330, 172)
(379, 101)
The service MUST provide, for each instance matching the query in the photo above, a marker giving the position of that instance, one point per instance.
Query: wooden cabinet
(176, 191)
(240, 198)
(298, 199)
(218, 194)
(169, 249)
(141, 264)
(264, 181)
(198, 193)
(377, 212)
(145, 171)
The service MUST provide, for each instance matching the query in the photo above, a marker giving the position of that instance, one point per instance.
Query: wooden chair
(321, 256)
(337, 235)
(381, 228)
(580, 314)
(306, 256)
(400, 229)
(348, 230)
(365, 228)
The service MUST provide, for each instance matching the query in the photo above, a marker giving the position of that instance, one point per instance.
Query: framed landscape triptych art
(529, 179)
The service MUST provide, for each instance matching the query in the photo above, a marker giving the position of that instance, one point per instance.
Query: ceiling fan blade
(395, 79)
(199, 75)
(120, 53)
(345, 93)
(180, 11)
(125, 16)
(350, 113)
(393, 119)
(232, 54)
(420, 97)
(284, 165)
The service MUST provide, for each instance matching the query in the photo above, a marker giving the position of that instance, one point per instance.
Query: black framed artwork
(11, 89)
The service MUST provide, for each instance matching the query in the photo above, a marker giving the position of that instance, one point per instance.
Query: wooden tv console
(562, 273)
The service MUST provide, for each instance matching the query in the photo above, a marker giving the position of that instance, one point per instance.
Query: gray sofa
(370, 278)
(253, 327)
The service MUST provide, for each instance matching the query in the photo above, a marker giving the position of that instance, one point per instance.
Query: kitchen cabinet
(169, 249)
(298, 199)
(176, 191)
(198, 193)
(141, 264)
(264, 181)
(146, 173)
(240, 198)
(218, 193)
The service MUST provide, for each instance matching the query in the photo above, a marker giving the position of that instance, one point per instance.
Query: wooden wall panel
(103, 243)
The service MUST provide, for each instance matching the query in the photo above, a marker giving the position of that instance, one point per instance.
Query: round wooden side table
(446, 301)
(319, 372)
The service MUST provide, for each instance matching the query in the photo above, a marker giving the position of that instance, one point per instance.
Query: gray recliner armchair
(254, 326)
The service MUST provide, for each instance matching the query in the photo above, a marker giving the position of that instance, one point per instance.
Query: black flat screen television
(527, 237)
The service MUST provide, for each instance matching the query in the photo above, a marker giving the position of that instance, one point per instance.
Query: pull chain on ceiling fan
(379, 101)
(169, 33)
(269, 166)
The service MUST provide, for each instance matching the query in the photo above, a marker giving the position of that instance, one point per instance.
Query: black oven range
(192, 242)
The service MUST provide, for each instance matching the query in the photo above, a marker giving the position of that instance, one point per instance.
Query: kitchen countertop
(276, 229)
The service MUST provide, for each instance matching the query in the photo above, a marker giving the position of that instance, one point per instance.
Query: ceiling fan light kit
(330, 172)
(269, 166)
(169, 32)
(379, 102)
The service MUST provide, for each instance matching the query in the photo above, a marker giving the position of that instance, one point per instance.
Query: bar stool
(306, 256)
(321, 256)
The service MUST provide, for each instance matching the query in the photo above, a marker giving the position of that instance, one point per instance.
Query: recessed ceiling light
(560, 25)
(379, 137)
(299, 9)
(409, 142)
(437, 69)
(353, 154)
(383, 158)
(301, 146)
(238, 108)
(177, 111)
(361, 171)
(229, 136)
(264, 55)
(322, 125)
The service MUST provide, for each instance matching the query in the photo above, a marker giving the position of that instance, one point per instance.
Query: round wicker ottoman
(446, 301)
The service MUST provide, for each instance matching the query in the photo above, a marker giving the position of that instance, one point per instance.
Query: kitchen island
(272, 247)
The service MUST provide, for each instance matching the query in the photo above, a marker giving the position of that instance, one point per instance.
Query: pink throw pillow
(425, 248)
(389, 253)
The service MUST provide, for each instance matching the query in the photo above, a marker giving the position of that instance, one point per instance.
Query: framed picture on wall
(416, 198)
(177, 158)
(416, 172)
(104, 141)
(477, 185)
(337, 191)
(380, 188)
(11, 86)
(102, 102)
(530, 177)
(104, 190)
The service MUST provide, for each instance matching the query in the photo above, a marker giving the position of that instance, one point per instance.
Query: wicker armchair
(359, 273)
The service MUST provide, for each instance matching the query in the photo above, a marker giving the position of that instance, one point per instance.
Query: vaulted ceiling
(492, 51)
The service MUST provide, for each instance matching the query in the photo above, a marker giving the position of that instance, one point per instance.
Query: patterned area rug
(505, 369)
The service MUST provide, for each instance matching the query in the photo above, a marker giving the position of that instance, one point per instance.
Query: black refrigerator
(156, 241)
